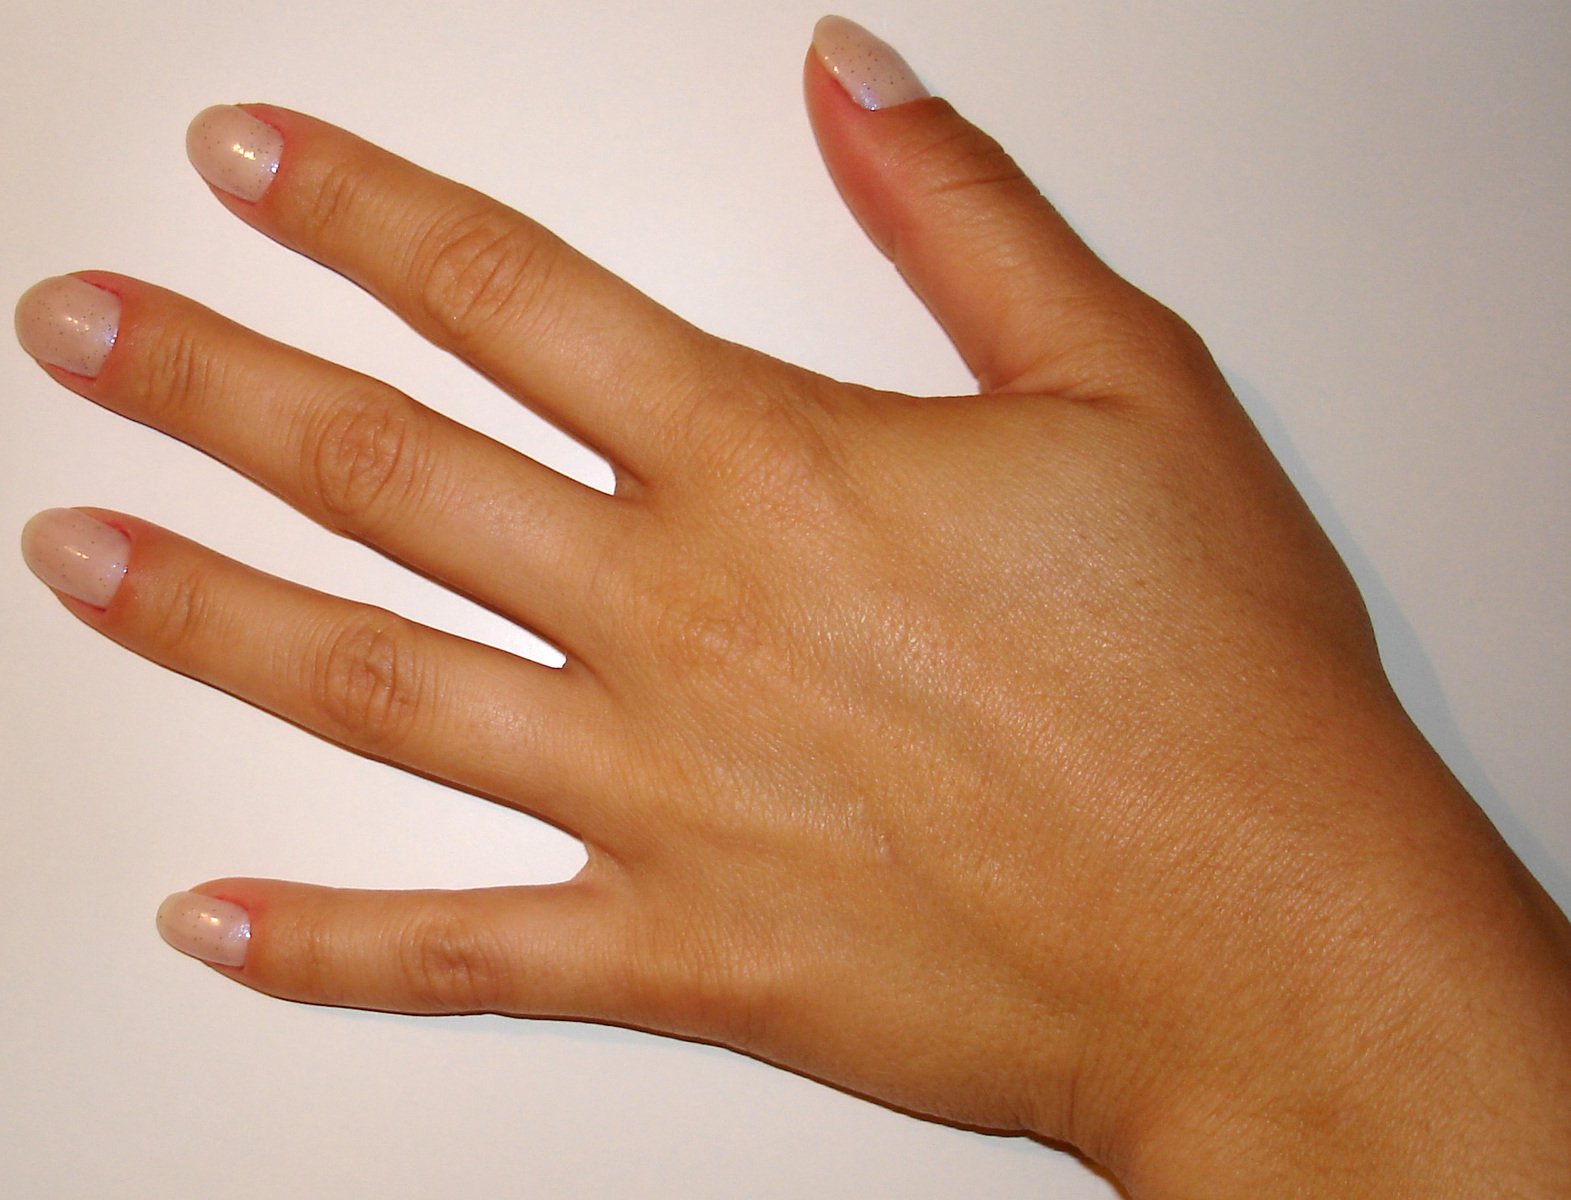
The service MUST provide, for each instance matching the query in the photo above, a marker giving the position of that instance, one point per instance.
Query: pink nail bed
(76, 554)
(868, 68)
(234, 151)
(68, 324)
(215, 931)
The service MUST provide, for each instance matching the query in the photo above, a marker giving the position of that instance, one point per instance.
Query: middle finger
(593, 354)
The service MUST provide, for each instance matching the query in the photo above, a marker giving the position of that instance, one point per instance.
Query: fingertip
(206, 927)
(69, 322)
(869, 71)
(1024, 300)
(234, 150)
(78, 554)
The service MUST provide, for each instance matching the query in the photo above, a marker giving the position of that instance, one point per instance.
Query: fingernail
(215, 931)
(234, 151)
(871, 70)
(68, 324)
(76, 554)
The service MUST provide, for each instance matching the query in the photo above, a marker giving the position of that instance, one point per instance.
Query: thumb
(1026, 302)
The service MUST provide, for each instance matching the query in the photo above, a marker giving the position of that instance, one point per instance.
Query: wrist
(1394, 1019)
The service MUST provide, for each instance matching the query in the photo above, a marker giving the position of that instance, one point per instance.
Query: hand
(1022, 759)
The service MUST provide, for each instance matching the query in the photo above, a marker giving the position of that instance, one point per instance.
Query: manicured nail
(68, 324)
(76, 554)
(234, 151)
(215, 931)
(871, 71)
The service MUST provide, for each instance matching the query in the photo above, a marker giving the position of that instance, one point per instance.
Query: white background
(1362, 206)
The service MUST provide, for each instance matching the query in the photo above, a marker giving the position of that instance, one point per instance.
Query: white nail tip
(215, 931)
(234, 151)
(68, 324)
(76, 554)
(870, 69)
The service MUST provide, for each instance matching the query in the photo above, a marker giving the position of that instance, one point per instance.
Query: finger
(358, 675)
(541, 951)
(592, 353)
(353, 453)
(1026, 302)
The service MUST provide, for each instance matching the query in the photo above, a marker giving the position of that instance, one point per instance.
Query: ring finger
(358, 675)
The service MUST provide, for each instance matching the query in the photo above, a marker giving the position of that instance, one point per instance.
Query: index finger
(591, 353)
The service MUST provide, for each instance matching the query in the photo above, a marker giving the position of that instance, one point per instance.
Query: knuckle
(177, 375)
(1181, 343)
(703, 628)
(366, 683)
(1161, 352)
(960, 162)
(313, 954)
(788, 449)
(180, 620)
(698, 980)
(477, 268)
(335, 203)
(366, 462)
(448, 962)
(797, 467)
(729, 1000)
